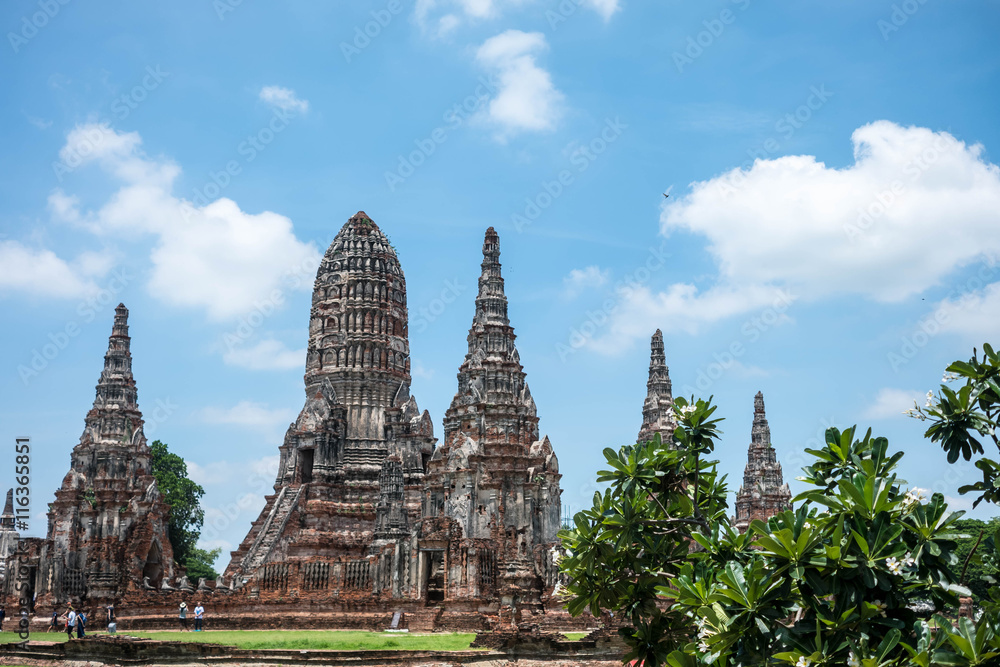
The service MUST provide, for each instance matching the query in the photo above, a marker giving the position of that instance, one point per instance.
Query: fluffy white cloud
(268, 354)
(890, 403)
(247, 413)
(915, 206)
(975, 314)
(283, 98)
(579, 280)
(214, 257)
(40, 272)
(439, 17)
(526, 99)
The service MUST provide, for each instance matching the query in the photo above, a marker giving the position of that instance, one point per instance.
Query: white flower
(894, 565)
(852, 660)
(949, 377)
(908, 560)
(913, 496)
(803, 662)
(705, 632)
(703, 647)
(687, 409)
(930, 398)
(881, 607)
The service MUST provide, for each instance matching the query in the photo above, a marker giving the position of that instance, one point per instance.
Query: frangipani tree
(831, 583)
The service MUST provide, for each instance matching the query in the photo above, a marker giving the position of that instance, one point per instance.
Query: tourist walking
(199, 615)
(70, 622)
(54, 623)
(81, 622)
(183, 616)
(3, 615)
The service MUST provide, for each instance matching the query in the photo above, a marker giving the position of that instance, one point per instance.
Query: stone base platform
(123, 650)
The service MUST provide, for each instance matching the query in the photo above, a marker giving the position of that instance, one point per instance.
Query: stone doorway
(154, 565)
(435, 577)
(306, 465)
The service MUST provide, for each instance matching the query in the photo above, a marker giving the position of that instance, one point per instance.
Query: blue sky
(829, 237)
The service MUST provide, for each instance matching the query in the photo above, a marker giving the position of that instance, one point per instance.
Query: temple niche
(764, 492)
(108, 516)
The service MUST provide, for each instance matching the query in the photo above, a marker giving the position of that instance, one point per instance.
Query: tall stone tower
(658, 408)
(8, 536)
(764, 492)
(108, 525)
(358, 413)
(493, 485)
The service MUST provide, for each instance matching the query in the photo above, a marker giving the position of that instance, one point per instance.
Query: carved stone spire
(492, 474)
(764, 492)
(491, 303)
(7, 518)
(658, 408)
(108, 524)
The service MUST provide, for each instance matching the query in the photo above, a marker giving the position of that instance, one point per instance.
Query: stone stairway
(283, 505)
(423, 620)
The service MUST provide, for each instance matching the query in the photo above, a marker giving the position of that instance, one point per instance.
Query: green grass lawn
(344, 640)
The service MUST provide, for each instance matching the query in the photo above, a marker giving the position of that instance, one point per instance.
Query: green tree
(963, 417)
(201, 563)
(184, 497)
(831, 583)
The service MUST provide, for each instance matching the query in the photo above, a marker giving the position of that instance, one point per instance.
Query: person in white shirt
(199, 614)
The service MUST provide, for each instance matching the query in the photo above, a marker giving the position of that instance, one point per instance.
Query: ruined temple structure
(107, 529)
(764, 492)
(352, 464)
(658, 408)
(367, 515)
(492, 499)
(8, 535)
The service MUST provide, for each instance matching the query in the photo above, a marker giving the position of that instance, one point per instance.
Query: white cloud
(247, 413)
(257, 472)
(915, 206)
(40, 272)
(890, 403)
(579, 280)
(214, 257)
(268, 354)
(975, 314)
(40, 123)
(795, 222)
(283, 98)
(526, 100)
(418, 370)
(606, 8)
(439, 17)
